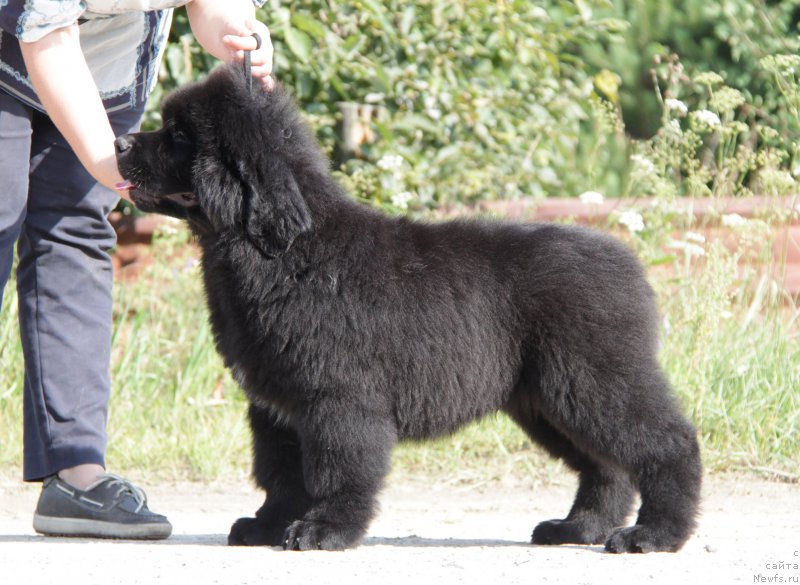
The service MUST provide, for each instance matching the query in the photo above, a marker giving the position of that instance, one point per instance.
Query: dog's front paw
(642, 539)
(255, 532)
(567, 532)
(310, 535)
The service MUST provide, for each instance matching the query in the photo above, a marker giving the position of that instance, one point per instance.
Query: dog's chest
(247, 308)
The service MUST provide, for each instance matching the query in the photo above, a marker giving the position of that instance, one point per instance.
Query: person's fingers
(264, 74)
(261, 70)
(245, 42)
(260, 64)
(264, 55)
(261, 59)
(267, 81)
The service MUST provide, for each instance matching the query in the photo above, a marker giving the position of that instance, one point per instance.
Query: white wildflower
(633, 220)
(402, 199)
(390, 162)
(688, 248)
(707, 117)
(726, 99)
(776, 181)
(735, 127)
(676, 105)
(374, 98)
(733, 220)
(591, 198)
(674, 128)
(644, 164)
(708, 78)
(785, 65)
(768, 133)
(430, 107)
(548, 176)
(695, 237)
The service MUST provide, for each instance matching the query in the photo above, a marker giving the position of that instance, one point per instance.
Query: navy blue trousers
(58, 216)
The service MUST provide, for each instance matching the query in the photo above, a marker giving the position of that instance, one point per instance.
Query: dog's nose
(123, 144)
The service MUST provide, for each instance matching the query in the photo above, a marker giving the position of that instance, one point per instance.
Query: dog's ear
(273, 209)
(216, 188)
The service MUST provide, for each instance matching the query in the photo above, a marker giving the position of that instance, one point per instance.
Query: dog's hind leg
(277, 468)
(664, 456)
(632, 421)
(605, 492)
(346, 456)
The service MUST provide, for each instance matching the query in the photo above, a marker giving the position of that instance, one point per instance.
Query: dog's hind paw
(642, 539)
(308, 535)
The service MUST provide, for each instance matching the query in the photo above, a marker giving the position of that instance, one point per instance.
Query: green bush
(728, 37)
(478, 99)
(487, 99)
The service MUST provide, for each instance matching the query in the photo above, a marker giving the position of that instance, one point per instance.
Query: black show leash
(248, 76)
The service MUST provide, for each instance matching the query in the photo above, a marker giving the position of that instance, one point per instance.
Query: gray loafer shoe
(112, 507)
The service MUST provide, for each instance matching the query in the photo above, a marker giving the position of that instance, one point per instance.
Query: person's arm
(224, 29)
(66, 89)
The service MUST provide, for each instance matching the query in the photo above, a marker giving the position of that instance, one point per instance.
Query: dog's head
(227, 159)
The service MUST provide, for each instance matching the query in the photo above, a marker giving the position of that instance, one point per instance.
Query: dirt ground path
(427, 532)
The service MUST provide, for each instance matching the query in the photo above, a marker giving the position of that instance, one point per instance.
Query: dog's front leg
(277, 468)
(346, 454)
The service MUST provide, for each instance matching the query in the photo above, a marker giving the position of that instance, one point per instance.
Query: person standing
(73, 76)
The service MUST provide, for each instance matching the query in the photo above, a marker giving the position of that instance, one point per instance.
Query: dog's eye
(287, 132)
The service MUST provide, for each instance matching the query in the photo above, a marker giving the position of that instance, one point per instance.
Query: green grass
(731, 350)
(175, 409)
(738, 373)
(10, 381)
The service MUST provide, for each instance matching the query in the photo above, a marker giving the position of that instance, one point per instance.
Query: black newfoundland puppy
(350, 331)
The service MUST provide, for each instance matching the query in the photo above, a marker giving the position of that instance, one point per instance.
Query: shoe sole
(51, 526)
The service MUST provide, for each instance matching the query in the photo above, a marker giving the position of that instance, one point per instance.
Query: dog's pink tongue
(124, 186)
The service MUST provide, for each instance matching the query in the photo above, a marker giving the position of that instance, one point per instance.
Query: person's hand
(261, 59)
(106, 172)
(225, 30)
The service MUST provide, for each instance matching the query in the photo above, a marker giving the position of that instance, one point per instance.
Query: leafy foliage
(728, 37)
(487, 99)
(481, 99)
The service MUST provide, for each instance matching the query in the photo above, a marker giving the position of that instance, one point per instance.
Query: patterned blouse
(122, 41)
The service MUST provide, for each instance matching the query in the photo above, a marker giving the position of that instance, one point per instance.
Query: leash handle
(248, 76)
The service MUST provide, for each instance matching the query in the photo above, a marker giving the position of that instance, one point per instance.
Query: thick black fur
(350, 331)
